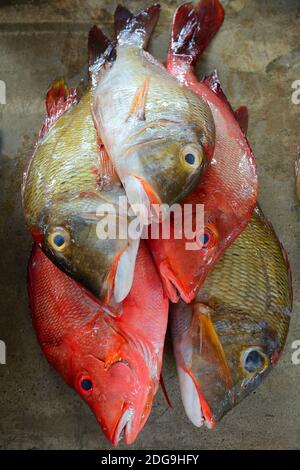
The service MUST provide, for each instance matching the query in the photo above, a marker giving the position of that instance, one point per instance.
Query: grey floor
(257, 54)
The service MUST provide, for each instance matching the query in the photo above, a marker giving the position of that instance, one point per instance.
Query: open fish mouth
(195, 405)
(174, 288)
(124, 428)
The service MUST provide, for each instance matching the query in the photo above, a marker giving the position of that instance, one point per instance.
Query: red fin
(242, 117)
(59, 99)
(194, 27)
(98, 43)
(136, 28)
(163, 387)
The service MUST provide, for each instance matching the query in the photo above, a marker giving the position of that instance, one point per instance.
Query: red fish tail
(193, 29)
(242, 116)
(136, 28)
(98, 45)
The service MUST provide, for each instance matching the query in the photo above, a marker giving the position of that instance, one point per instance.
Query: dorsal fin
(59, 99)
(193, 29)
(136, 29)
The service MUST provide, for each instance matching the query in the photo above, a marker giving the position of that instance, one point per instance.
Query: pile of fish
(152, 136)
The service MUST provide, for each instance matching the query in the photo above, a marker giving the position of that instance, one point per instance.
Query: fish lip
(174, 288)
(123, 427)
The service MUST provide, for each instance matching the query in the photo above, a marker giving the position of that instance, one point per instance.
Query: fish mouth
(174, 288)
(124, 428)
(142, 198)
(195, 405)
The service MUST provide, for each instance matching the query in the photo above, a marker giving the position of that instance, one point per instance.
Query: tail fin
(194, 27)
(242, 117)
(136, 29)
(100, 50)
(59, 99)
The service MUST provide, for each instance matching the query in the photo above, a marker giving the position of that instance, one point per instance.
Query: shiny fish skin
(228, 190)
(245, 304)
(65, 185)
(121, 356)
(148, 122)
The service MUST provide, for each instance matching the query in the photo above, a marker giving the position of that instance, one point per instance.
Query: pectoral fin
(138, 106)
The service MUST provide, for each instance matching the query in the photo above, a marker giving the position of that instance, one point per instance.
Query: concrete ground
(257, 54)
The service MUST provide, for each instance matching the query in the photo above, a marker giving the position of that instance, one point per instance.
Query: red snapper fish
(113, 363)
(228, 189)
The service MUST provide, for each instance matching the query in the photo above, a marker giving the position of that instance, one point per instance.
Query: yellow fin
(210, 344)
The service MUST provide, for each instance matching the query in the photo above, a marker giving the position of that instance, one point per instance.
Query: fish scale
(243, 308)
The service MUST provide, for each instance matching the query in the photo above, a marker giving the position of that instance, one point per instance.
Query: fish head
(163, 170)
(113, 379)
(222, 355)
(81, 236)
(205, 228)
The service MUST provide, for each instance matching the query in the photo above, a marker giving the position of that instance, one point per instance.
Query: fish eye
(254, 360)
(86, 384)
(207, 237)
(59, 239)
(191, 156)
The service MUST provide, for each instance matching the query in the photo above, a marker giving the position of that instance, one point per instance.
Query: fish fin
(99, 45)
(59, 99)
(193, 29)
(165, 392)
(210, 343)
(136, 29)
(106, 173)
(101, 50)
(242, 116)
(124, 271)
(138, 106)
(191, 393)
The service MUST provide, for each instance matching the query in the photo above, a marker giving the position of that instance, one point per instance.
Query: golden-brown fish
(68, 183)
(231, 336)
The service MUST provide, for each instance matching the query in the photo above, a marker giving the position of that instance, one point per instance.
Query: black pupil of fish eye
(86, 384)
(204, 238)
(59, 240)
(253, 361)
(190, 158)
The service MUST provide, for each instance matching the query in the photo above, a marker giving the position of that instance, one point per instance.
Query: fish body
(228, 339)
(69, 190)
(228, 190)
(158, 134)
(113, 363)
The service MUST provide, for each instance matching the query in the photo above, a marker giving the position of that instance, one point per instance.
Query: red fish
(113, 363)
(228, 190)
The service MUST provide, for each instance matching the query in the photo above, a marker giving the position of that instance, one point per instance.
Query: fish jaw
(174, 287)
(195, 405)
(141, 197)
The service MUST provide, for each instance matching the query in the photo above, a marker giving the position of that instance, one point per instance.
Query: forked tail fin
(135, 29)
(193, 29)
